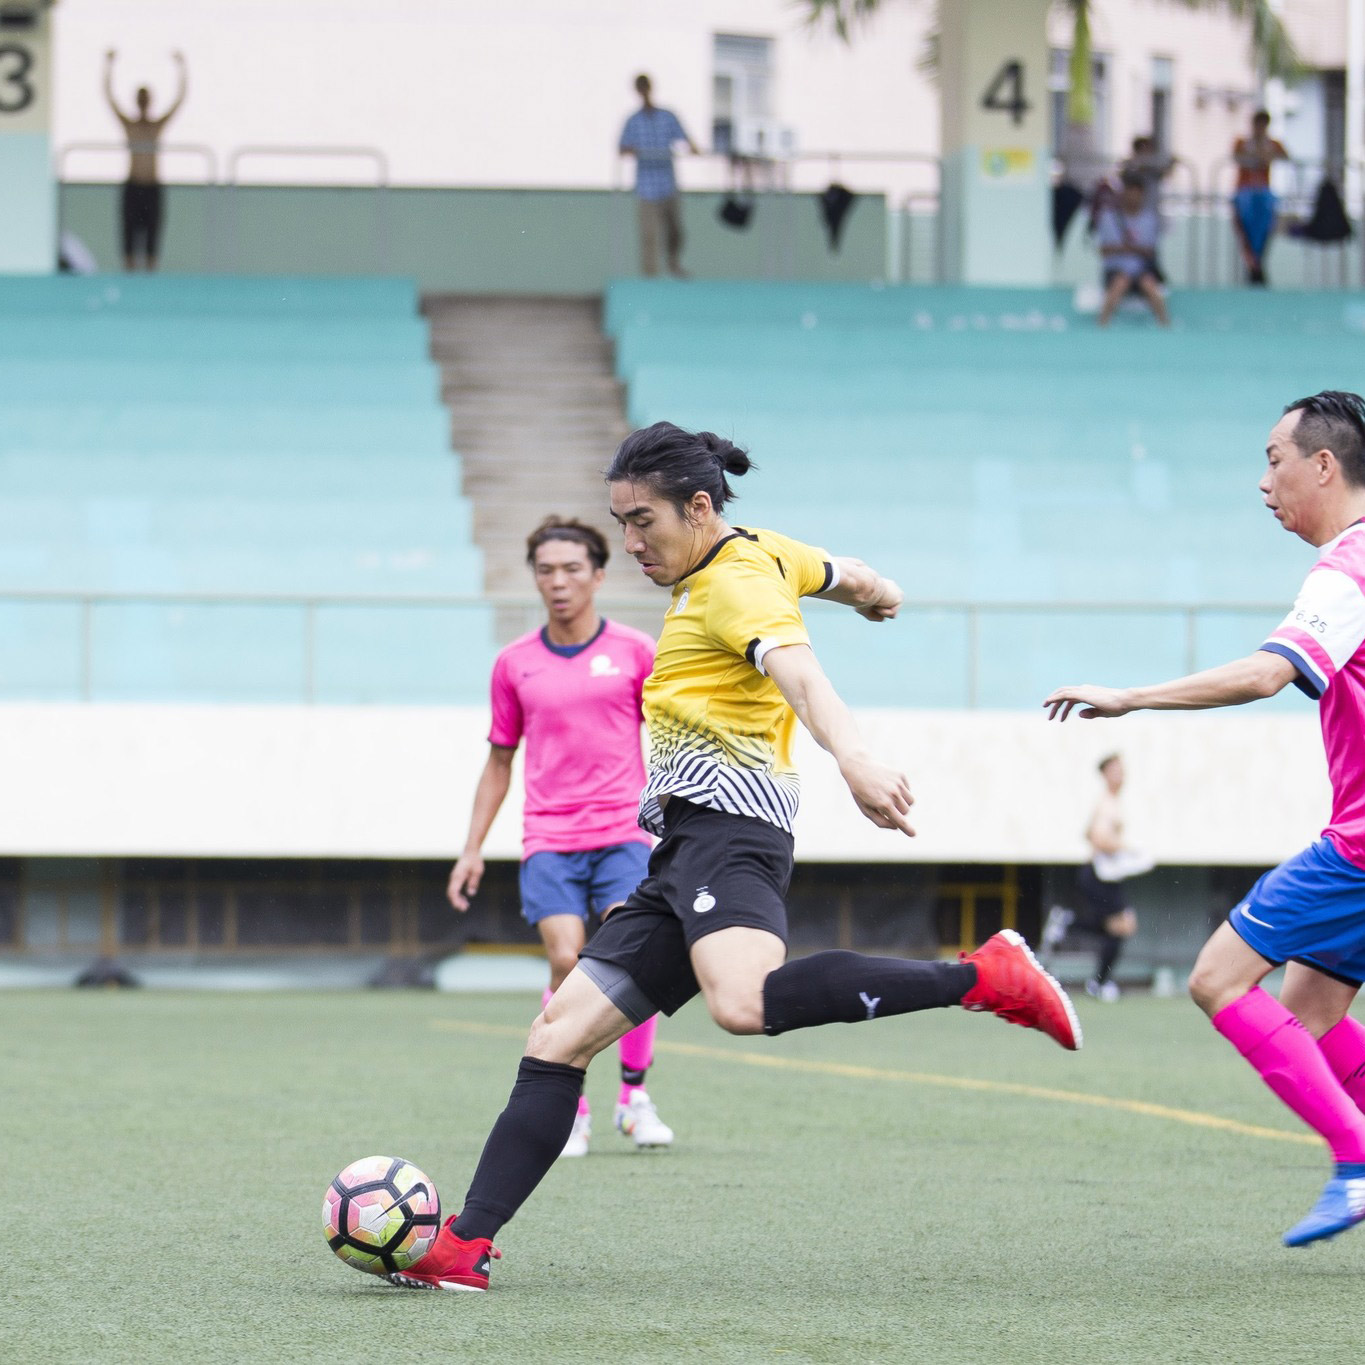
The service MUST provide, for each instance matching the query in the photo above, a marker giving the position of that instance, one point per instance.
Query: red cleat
(1010, 983)
(450, 1264)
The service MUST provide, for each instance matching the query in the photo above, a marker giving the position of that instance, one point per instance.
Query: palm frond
(1080, 100)
(1272, 49)
(842, 15)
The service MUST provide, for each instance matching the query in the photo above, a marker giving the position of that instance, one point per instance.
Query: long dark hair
(677, 464)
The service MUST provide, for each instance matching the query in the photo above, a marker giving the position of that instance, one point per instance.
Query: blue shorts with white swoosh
(1310, 909)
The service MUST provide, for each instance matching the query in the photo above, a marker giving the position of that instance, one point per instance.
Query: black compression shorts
(712, 870)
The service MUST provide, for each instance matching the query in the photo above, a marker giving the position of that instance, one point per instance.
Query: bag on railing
(1328, 222)
(835, 203)
(736, 212)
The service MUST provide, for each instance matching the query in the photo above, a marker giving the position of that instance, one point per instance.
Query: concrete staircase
(536, 414)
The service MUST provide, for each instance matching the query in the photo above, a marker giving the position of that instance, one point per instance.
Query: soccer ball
(381, 1214)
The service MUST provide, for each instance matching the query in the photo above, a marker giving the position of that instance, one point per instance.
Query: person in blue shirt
(649, 136)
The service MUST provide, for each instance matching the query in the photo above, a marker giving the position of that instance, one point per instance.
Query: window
(1163, 82)
(741, 94)
(1059, 87)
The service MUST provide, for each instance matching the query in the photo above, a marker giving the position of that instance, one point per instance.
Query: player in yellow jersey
(733, 673)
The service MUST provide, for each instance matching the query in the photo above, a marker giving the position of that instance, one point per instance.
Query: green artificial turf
(166, 1156)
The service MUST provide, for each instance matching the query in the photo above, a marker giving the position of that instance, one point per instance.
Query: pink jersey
(580, 716)
(1324, 638)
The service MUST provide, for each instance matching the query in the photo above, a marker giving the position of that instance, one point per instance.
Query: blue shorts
(1310, 909)
(576, 883)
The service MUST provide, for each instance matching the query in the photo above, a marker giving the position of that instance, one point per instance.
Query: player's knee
(1209, 988)
(558, 1040)
(741, 1014)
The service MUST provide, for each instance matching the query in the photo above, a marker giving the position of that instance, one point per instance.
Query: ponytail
(678, 464)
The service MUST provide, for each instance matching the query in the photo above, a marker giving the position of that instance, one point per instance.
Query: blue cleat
(1341, 1205)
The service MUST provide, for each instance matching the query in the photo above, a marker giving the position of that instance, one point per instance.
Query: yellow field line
(1193, 1117)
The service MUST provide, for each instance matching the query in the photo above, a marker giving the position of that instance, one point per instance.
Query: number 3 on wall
(1005, 93)
(16, 90)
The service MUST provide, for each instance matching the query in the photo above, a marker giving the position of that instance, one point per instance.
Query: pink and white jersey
(1324, 638)
(579, 712)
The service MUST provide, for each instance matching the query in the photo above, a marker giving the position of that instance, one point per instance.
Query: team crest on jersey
(682, 602)
(601, 666)
(705, 901)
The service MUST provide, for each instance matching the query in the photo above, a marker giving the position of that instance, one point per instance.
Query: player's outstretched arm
(489, 795)
(865, 590)
(1259, 675)
(179, 59)
(882, 793)
(109, 58)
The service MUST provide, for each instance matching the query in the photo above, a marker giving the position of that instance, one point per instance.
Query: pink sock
(582, 1105)
(1293, 1066)
(1344, 1048)
(637, 1055)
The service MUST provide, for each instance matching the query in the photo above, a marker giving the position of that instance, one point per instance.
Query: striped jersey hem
(698, 778)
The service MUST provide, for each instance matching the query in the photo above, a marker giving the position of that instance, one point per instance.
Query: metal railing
(518, 612)
(1196, 205)
(222, 220)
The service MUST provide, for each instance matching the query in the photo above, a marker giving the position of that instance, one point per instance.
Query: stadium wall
(476, 241)
(1236, 789)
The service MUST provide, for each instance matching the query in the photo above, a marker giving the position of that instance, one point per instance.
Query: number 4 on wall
(1005, 93)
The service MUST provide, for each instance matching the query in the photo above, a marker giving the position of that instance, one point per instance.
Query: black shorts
(711, 870)
(141, 218)
(1135, 281)
(1099, 900)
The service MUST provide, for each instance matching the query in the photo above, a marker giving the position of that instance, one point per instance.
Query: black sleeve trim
(751, 654)
(829, 579)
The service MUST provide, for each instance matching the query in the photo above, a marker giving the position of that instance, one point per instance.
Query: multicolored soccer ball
(381, 1214)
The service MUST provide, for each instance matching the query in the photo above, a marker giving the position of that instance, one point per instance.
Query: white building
(459, 92)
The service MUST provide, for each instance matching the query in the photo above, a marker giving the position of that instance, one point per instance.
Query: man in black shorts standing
(733, 673)
(142, 193)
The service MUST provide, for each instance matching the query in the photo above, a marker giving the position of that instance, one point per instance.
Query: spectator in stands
(573, 690)
(1100, 883)
(1254, 203)
(1149, 164)
(649, 136)
(142, 196)
(1128, 234)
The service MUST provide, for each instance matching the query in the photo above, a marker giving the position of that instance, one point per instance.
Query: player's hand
(464, 881)
(1094, 703)
(886, 606)
(882, 794)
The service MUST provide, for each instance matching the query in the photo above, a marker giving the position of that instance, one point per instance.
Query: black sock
(525, 1142)
(1110, 949)
(630, 1077)
(842, 987)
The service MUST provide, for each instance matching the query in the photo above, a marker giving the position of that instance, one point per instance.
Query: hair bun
(727, 454)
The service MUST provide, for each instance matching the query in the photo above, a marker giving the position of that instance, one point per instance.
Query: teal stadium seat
(1053, 499)
(267, 444)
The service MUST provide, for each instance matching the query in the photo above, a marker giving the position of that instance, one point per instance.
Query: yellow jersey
(720, 732)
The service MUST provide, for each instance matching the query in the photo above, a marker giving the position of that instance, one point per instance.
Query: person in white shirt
(1128, 233)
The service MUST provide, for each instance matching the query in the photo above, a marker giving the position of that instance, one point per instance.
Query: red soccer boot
(450, 1264)
(1010, 983)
